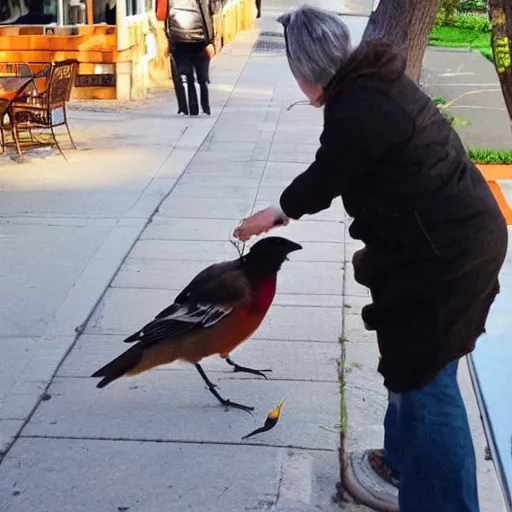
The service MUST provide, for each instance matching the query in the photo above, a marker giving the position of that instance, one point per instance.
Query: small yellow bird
(270, 422)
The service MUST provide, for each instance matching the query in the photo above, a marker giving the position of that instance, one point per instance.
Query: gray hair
(318, 44)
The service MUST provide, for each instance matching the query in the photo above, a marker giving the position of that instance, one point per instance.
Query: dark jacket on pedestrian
(34, 18)
(189, 21)
(434, 236)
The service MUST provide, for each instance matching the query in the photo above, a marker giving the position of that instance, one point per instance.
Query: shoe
(379, 465)
(371, 481)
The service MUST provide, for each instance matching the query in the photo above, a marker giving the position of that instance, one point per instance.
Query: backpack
(161, 10)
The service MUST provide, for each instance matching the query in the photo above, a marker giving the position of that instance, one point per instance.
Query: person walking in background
(111, 12)
(35, 15)
(179, 88)
(435, 240)
(258, 8)
(189, 29)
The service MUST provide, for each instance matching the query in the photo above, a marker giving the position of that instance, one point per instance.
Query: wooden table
(10, 85)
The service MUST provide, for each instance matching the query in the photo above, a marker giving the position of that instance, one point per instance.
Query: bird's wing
(184, 319)
(218, 284)
(207, 301)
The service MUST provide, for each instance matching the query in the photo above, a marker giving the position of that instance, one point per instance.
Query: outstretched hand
(260, 223)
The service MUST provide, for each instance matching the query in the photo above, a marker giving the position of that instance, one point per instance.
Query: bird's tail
(119, 366)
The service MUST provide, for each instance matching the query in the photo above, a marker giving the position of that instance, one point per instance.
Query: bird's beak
(294, 247)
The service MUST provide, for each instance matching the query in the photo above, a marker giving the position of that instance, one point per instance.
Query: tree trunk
(407, 25)
(500, 13)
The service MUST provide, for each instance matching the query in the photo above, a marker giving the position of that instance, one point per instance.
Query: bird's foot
(235, 405)
(215, 393)
(243, 369)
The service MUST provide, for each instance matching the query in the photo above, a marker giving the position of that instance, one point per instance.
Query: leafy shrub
(472, 21)
(455, 121)
(446, 11)
(472, 5)
(490, 156)
(452, 37)
(438, 100)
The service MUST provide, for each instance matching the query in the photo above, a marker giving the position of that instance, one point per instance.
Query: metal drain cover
(270, 43)
(269, 33)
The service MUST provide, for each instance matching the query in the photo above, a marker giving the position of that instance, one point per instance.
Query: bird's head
(270, 253)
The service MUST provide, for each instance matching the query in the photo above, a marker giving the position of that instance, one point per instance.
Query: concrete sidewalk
(160, 441)
(451, 73)
(66, 226)
(161, 438)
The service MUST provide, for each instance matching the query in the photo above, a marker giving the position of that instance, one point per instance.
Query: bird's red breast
(244, 319)
(263, 296)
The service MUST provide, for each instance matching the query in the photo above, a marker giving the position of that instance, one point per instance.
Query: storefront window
(75, 12)
(11, 10)
(67, 12)
(134, 7)
(28, 12)
(50, 7)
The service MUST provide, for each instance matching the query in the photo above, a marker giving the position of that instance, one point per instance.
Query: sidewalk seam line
(177, 441)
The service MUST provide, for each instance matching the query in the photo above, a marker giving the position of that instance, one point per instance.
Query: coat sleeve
(169, 4)
(207, 16)
(362, 129)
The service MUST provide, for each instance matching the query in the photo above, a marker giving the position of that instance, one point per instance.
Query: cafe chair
(45, 110)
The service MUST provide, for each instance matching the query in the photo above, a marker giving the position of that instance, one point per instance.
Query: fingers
(259, 223)
(256, 224)
(240, 234)
(243, 234)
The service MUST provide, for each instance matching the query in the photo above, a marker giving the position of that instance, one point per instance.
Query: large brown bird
(219, 309)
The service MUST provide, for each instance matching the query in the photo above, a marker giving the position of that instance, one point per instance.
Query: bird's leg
(215, 393)
(244, 369)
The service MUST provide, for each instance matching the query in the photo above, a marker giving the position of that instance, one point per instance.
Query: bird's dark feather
(206, 300)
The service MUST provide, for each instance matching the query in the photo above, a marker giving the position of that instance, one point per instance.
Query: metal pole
(90, 13)
(60, 12)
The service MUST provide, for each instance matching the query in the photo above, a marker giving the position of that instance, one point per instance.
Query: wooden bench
(493, 173)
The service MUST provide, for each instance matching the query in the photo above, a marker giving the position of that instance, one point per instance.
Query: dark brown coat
(434, 236)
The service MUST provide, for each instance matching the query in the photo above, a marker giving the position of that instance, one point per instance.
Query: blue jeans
(428, 441)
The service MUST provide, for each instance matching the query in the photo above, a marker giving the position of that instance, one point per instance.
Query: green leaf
(490, 156)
